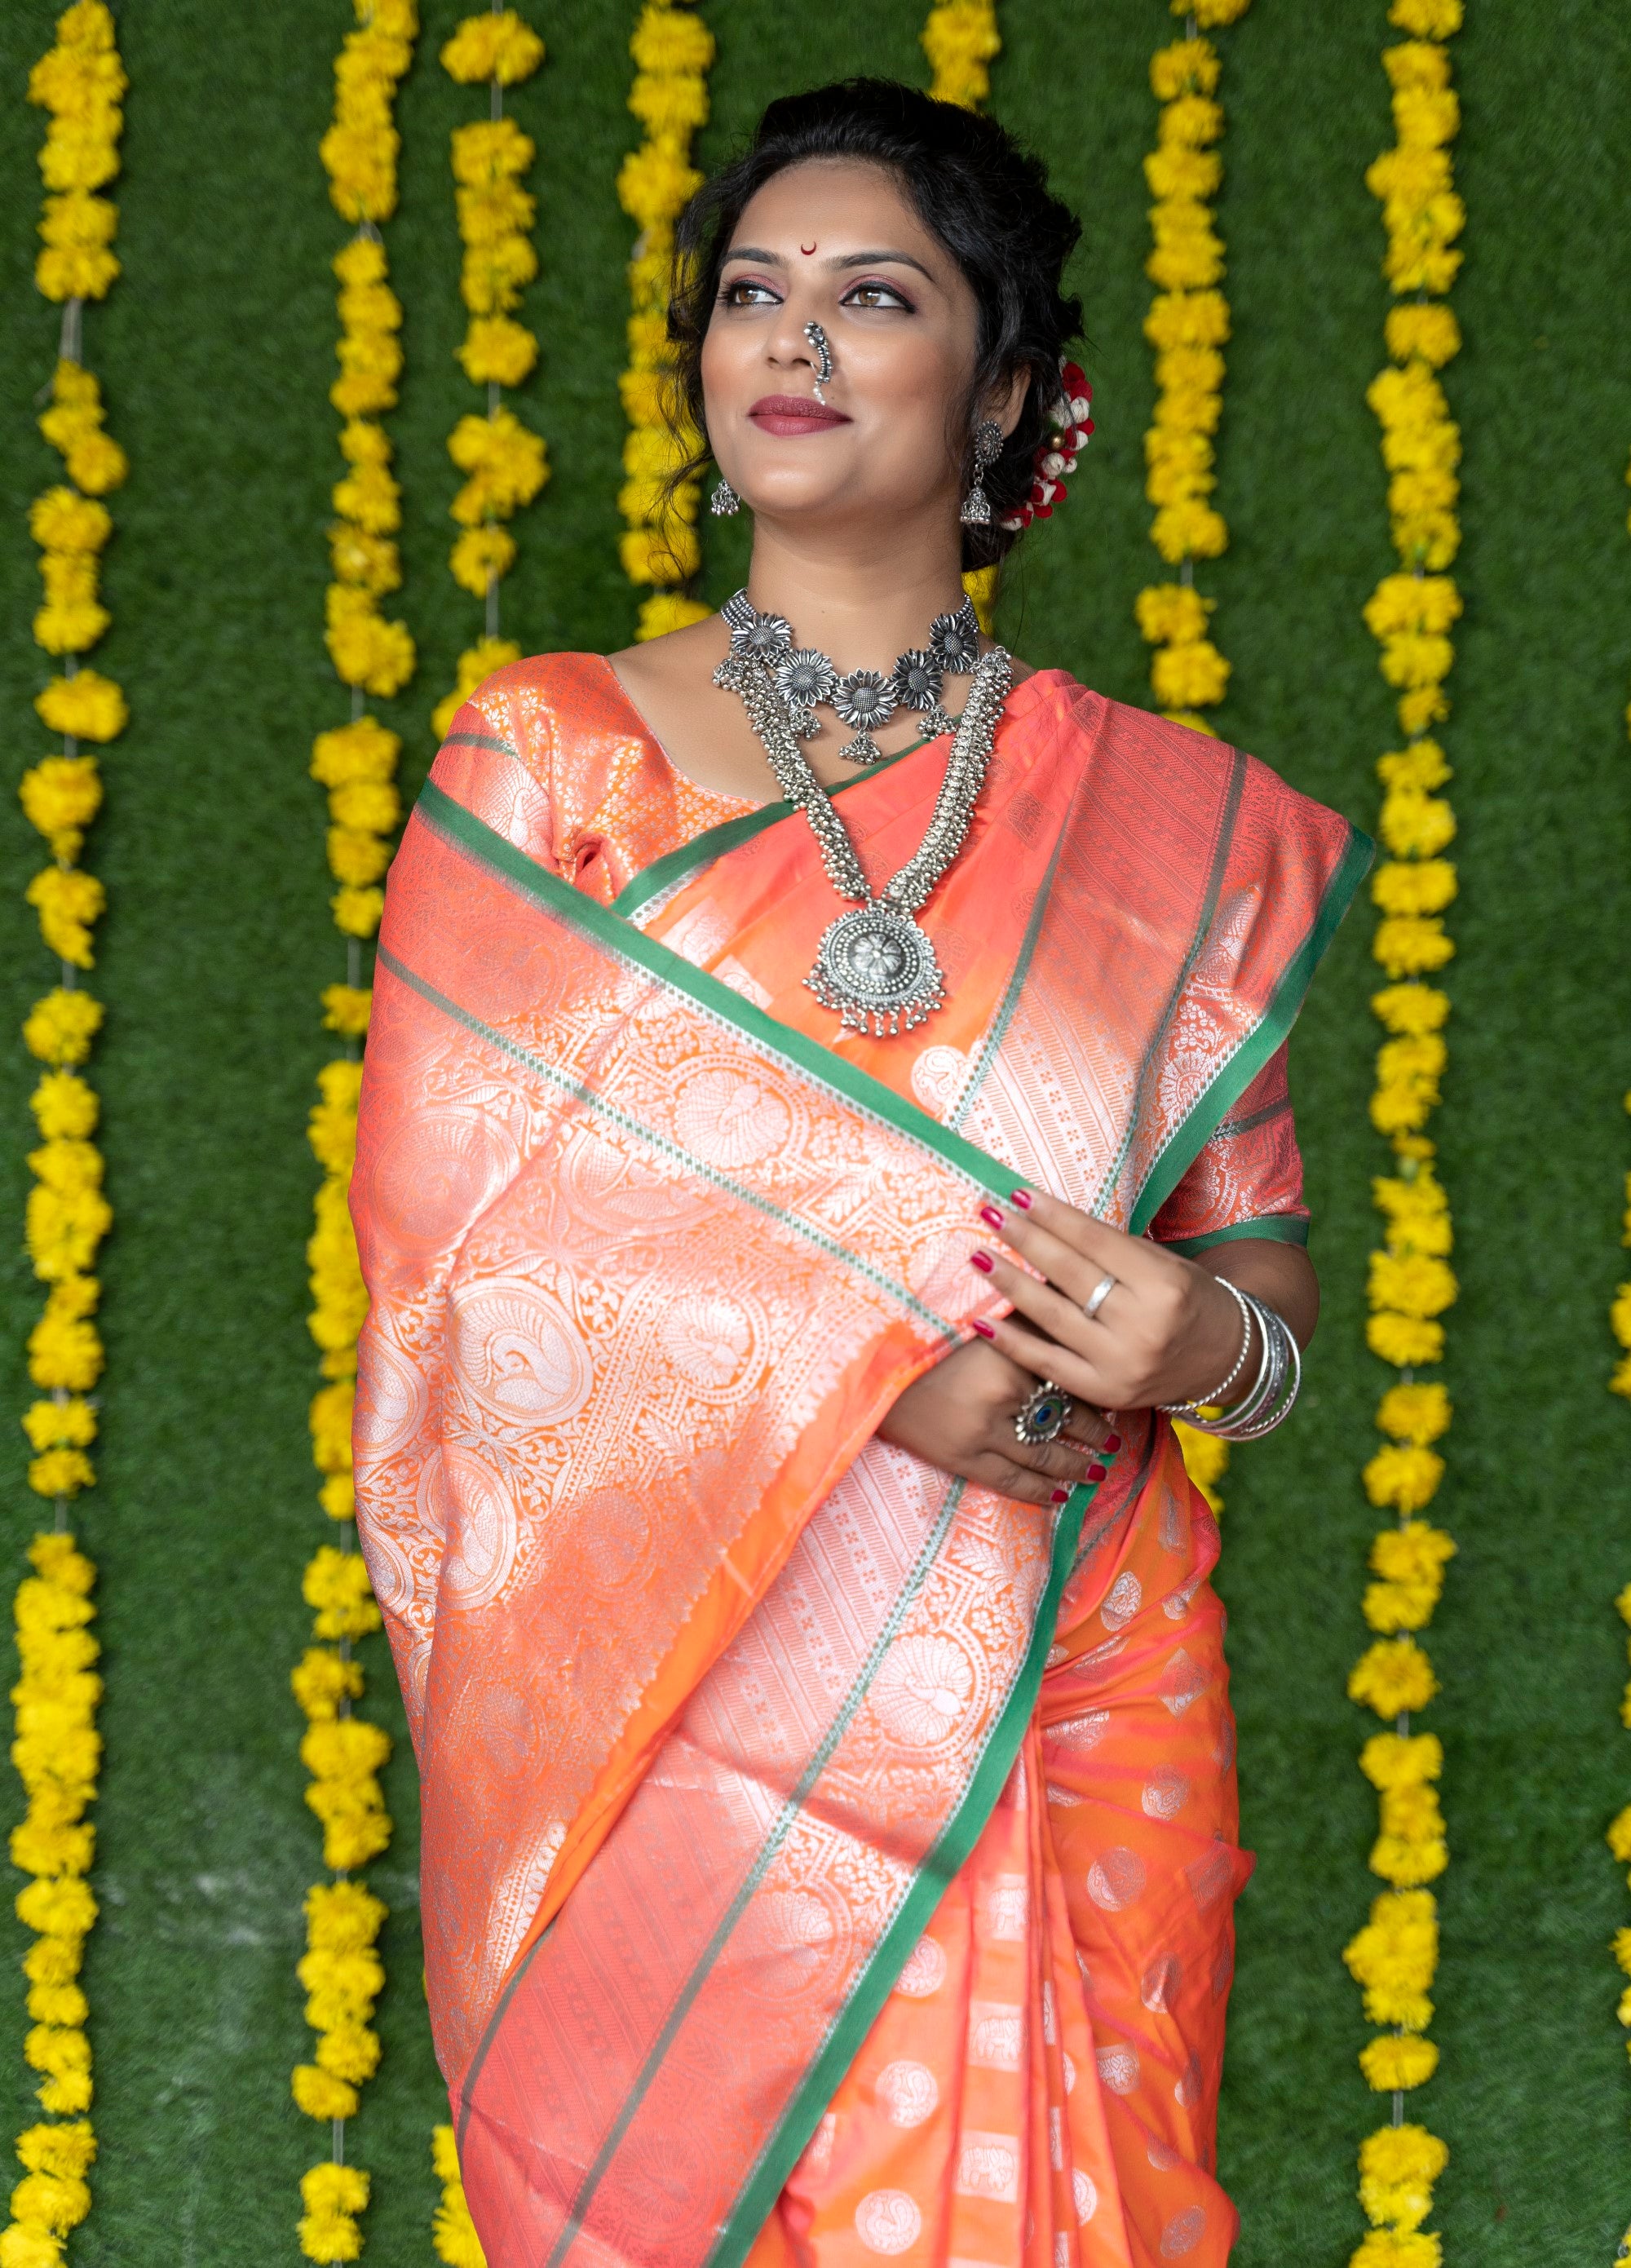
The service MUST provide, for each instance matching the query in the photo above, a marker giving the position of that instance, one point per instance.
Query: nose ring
(816, 337)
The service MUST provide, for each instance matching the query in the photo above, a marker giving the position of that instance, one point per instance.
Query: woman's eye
(875, 294)
(746, 292)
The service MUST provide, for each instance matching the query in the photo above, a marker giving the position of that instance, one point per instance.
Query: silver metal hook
(816, 337)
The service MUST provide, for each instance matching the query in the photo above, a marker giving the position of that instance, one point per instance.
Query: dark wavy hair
(984, 197)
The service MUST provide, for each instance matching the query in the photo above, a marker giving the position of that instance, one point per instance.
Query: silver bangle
(1211, 1401)
(1269, 1400)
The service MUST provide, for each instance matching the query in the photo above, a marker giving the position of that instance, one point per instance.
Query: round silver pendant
(878, 970)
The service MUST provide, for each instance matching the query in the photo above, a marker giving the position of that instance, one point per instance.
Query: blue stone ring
(1044, 1417)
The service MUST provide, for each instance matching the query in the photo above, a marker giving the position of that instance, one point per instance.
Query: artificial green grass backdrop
(215, 353)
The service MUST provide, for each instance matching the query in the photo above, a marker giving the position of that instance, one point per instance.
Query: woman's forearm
(1281, 1275)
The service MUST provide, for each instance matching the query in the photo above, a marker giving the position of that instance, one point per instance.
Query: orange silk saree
(824, 1859)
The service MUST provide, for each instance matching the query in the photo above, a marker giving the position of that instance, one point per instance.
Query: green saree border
(764, 2184)
(1270, 1228)
(616, 934)
(1184, 1145)
(675, 866)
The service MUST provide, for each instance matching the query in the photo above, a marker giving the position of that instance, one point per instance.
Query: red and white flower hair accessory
(1070, 429)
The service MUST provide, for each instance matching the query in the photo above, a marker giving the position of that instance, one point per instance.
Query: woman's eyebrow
(755, 251)
(872, 259)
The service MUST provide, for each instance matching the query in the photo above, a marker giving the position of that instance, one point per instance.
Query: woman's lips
(789, 415)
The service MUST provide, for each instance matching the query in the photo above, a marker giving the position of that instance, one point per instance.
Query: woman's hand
(1166, 1331)
(960, 1417)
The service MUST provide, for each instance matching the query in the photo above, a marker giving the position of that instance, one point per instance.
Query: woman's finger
(1009, 1478)
(1093, 1242)
(1060, 1317)
(1058, 1460)
(1083, 1380)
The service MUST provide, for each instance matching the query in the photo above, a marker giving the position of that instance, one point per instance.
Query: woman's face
(835, 241)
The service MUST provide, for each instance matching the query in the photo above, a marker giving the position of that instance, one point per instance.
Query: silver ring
(1044, 1417)
(1099, 1293)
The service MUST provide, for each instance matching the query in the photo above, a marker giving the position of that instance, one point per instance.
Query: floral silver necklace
(806, 679)
(874, 965)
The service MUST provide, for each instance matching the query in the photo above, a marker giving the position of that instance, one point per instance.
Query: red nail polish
(1021, 1197)
(982, 1261)
(979, 1323)
(1062, 1496)
(991, 1217)
(1097, 1472)
(1113, 1442)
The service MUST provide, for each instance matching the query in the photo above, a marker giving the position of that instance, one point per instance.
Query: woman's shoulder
(524, 703)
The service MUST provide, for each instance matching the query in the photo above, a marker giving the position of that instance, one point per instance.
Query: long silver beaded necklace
(806, 679)
(874, 965)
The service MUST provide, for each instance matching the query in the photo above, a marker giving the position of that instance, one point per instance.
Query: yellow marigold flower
(1410, 946)
(1411, 602)
(369, 308)
(64, 1348)
(1431, 333)
(63, 2053)
(654, 186)
(1180, 320)
(75, 272)
(490, 150)
(1415, 826)
(1392, 1675)
(498, 349)
(95, 462)
(1410, 1813)
(1189, 372)
(1190, 122)
(357, 857)
(346, 1009)
(70, 629)
(61, 796)
(1399, 1760)
(1189, 531)
(1398, 2167)
(363, 751)
(1390, 1607)
(67, 902)
(491, 210)
(360, 160)
(651, 556)
(496, 46)
(343, 1917)
(321, 1680)
(59, 520)
(69, 576)
(1415, 1413)
(336, 1584)
(1427, 19)
(479, 555)
(322, 2096)
(370, 561)
(666, 610)
(1172, 614)
(1618, 1835)
(1187, 260)
(1410, 1008)
(1209, 14)
(68, 2152)
(1189, 676)
(1414, 1552)
(667, 102)
(669, 38)
(960, 39)
(1423, 706)
(1410, 1285)
(365, 649)
(506, 463)
(60, 1424)
(476, 664)
(85, 707)
(61, 1910)
(357, 911)
(60, 1472)
(1392, 2065)
(1179, 173)
(349, 2052)
(60, 1028)
(1185, 66)
(1406, 1477)
(1206, 1460)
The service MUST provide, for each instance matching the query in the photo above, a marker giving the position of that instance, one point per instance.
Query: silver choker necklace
(874, 965)
(806, 679)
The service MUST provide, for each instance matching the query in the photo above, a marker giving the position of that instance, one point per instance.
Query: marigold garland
(1619, 1826)
(355, 763)
(1411, 1285)
(504, 462)
(672, 48)
(80, 83)
(1188, 326)
(961, 40)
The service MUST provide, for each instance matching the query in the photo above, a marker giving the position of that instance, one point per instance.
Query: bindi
(806, 249)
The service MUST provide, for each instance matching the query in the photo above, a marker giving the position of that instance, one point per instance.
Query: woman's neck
(862, 601)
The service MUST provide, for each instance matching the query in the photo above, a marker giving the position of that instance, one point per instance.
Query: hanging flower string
(1188, 326)
(1410, 614)
(355, 763)
(504, 460)
(57, 1750)
(672, 48)
(1620, 1828)
(961, 42)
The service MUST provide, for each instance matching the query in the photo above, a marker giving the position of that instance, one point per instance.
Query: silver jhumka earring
(976, 511)
(725, 500)
(816, 337)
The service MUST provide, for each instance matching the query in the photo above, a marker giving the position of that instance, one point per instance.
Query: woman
(779, 1113)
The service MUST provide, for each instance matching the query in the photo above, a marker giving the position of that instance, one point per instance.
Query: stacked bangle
(1269, 1401)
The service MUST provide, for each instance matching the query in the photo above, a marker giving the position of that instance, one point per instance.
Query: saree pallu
(823, 1859)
